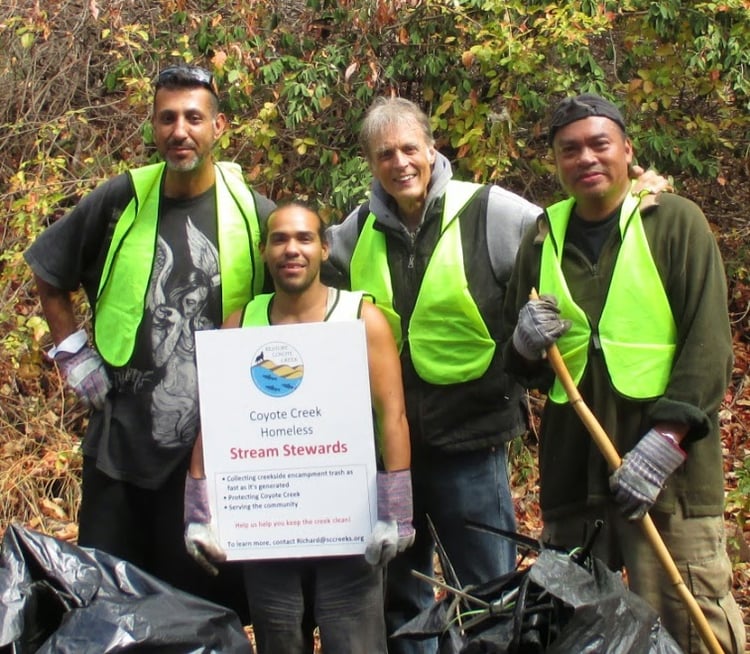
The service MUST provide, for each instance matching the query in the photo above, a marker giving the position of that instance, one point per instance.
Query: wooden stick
(610, 454)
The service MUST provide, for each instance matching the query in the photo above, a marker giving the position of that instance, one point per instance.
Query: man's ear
(629, 152)
(220, 124)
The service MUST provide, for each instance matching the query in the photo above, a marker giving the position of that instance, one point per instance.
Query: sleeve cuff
(668, 410)
(70, 344)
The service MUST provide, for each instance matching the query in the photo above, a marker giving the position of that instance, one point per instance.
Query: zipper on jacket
(412, 248)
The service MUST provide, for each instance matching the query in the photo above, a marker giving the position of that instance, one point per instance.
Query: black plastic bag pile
(57, 597)
(559, 604)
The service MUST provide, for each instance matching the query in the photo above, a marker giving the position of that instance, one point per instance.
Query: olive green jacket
(573, 474)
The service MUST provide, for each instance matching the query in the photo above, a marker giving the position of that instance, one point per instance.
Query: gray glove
(86, 374)
(200, 539)
(539, 326)
(638, 481)
(393, 532)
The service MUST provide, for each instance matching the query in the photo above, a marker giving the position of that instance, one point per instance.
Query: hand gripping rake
(647, 524)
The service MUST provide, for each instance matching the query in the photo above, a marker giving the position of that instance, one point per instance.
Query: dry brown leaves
(40, 448)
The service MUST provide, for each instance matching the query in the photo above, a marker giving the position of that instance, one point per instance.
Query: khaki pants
(698, 548)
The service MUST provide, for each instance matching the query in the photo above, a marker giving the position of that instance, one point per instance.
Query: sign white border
(288, 440)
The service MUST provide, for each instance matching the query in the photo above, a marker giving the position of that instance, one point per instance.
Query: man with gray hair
(436, 254)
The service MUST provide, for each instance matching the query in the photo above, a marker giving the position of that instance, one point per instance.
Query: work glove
(84, 371)
(200, 539)
(539, 326)
(638, 481)
(393, 532)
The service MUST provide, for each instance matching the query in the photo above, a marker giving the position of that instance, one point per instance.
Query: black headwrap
(583, 106)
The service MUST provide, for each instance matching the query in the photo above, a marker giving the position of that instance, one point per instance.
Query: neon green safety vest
(346, 307)
(448, 338)
(127, 268)
(638, 353)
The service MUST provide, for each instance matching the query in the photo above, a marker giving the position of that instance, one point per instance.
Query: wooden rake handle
(613, 459)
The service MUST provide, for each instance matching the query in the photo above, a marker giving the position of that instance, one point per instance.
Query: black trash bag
(607, 617)
(556, 606)
(57, 597)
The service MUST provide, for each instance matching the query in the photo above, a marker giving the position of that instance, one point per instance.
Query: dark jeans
(451, 488)
(342, 595)
(145, 527)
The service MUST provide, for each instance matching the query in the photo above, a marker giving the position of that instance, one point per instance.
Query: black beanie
(583, 106)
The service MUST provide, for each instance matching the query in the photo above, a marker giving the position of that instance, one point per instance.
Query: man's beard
(184, 166)
(297, 287)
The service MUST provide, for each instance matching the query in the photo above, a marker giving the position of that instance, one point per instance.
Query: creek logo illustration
(277, 369)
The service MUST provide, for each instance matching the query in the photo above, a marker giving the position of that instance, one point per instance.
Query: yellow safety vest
(127, 267)
(448, 338)
(636, 329)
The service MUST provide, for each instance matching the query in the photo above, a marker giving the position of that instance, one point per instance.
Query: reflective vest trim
(125, 277)
(638, 353)
(448, 338)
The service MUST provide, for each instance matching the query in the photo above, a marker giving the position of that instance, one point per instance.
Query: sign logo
(277, 369)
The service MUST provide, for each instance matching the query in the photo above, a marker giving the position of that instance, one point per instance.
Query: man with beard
(160, 251)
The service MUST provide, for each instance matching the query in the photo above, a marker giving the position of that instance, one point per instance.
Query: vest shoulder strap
(362, 213)
(346, 305)
(255, 312)
(457, 196)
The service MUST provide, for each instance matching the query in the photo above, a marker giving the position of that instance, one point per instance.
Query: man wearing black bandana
(632, 290)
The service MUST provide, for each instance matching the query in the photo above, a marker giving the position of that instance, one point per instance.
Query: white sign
(288, 439)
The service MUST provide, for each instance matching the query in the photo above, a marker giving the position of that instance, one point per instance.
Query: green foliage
(297, 78)
(686, 66)
(522, 461)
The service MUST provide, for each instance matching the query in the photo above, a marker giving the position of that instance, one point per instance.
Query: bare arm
(674, 431)
(197, 469)
(57, 307)
(233, 320)
(387, 390)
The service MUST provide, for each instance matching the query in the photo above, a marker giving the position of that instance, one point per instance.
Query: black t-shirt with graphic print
(151, 423)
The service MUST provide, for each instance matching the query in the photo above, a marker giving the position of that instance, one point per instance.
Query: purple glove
(86, 374)
(539, 326)
(200, 539)
(638, 481)
(393, 532)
